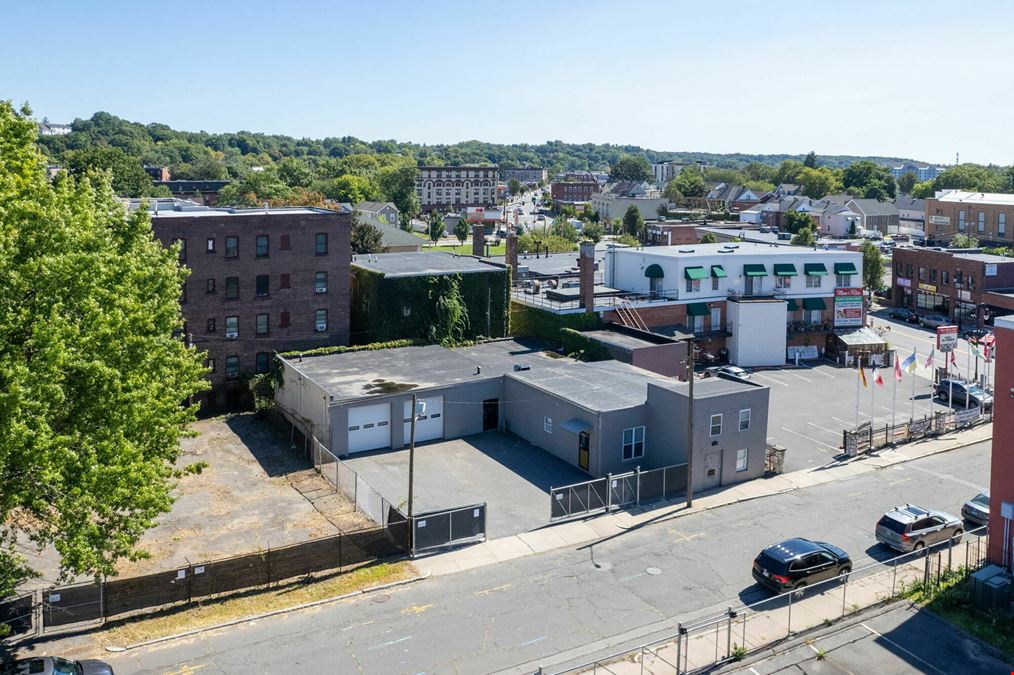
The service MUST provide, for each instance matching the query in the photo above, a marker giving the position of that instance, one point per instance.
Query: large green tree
(873, 266)
(633, 222)
(804, 237)
(689, 183)
(870, 180)
(907, 182)
(129, 177)
(631, 167)
(972, 177)
(397, 185)
(93, 380)
(797, 220)
(819, 182)
(365, 237)
(810, 162)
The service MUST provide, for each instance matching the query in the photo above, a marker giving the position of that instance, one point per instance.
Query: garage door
(369, 427)
(428, 426)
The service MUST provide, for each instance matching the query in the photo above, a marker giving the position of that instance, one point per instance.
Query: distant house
(734, 197)
(201, 191)
(771, 213)
(788, 190)
(397, 240)
(838, 220)
(876, 215)
(911, 212)
(50, 129)
(384, 212)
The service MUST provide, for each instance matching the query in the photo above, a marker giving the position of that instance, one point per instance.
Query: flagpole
(873, 392)
(968, 371)
(894, 392)
(911, 374)
(859, 377)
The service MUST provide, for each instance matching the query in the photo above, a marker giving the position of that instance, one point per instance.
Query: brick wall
(951, 210)
(907, 261)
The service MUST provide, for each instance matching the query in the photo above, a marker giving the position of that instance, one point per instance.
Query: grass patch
(220, 610)
(466, 249)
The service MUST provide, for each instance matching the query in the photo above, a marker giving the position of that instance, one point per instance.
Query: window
(232, 367)
(783, 282)
(633, 443)
(320, 320)
(741, 459)
(284, 243)
(261, 246)
(698, 324)
(693, 285)
(961, 221)
(716, 425)
(320, 282)
(945, 278)
(1001, 225)
(283, 320)
(744, 419)
(547, 424)
(813, 281)
(283, 280)
(211, 245)
(933, 276)
(263, 360)
(320, 243)
(211, 325)
(813, 316)
(263, 285)
(845, 279)
(210, 286)
(714, 283)
(981, 225)
(262, 324)
(183, 248)
(231, 288)
(210, 365)
(232, 247)
(232, 326)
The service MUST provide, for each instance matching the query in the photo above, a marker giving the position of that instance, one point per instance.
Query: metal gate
(448, 527)
(579, 499)
(616, 491)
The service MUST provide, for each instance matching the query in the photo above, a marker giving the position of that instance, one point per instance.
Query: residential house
(788, 190)
(383, 212)
(911, 215)
(875, 215)
(51, 129)
(734, 197)
(837, 220)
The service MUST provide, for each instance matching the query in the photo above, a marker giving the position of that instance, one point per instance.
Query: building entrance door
(583, 442)
(712, 470)
(491, 414)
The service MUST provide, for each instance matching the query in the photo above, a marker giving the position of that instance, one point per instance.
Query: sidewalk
(605, 525)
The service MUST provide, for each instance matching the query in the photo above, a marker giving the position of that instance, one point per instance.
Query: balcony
(797, 327)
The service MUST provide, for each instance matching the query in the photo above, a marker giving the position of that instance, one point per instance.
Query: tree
(817, 183)
(564, 229)
(873, 267)
(365, 237)
(960, 240)
(593, 232)
(129, 177)
(633, 222)
(804, 237)
(811, 160)
(971, 177)
(350, 188)
(405, 221)
(662, 211)
(672, 193)
(906, 183)
(870, 180)
(397, 185)
(294, 172)
(797, 220)
(93, 380)
(788, 171)
(708, 238)
(436, 226)
(631, 167)
(514, 186)
(923, 190)
(689, 183)
(255, 188)
(628, 240)
(461, 230)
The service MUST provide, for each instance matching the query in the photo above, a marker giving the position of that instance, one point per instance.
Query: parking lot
(510, 475)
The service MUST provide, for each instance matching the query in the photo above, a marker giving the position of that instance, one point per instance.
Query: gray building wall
(303, 401)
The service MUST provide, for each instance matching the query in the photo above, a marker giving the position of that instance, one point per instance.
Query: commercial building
(966, 285)
(911, 214)
(604, 417)
(1001, 484)
(670, 233)
(526, 176)
(983, 215)
(616, 198)
(573, 191)
(261, 280)
(666, 171)
(453, 188)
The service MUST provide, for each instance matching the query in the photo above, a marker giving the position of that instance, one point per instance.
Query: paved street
(571, 604)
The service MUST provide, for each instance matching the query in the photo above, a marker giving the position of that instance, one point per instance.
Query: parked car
(797, 563)
(54, 665)
(933, 320)
(910, 528)
(963, 393)
(976, 509)
(904, 314)
(976, 334)
(733, 371)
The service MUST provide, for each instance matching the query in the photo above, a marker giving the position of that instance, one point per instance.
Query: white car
(732, 371)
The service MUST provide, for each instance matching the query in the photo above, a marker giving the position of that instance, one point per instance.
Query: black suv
(797, 563)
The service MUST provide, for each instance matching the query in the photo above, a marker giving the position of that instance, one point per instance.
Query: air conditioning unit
(321, 326)
(232, 334)
(321, 289)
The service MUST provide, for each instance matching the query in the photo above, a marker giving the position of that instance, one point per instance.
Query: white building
(923, 172)
(456, 187)
(666, 171)
(527, 175)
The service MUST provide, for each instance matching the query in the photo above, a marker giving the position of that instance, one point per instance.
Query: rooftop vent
(518, 367)
(686, 250)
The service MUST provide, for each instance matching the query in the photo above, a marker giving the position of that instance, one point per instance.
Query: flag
(954, 359)
(977, 350)
(877, 378)
(988, 339)
(862, 376)
(929, 359)
(988, 351)
(909, 363)
(897, 370)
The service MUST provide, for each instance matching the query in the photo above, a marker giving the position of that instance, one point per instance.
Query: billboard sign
(947, 338)
(848, 307)
(940, 220)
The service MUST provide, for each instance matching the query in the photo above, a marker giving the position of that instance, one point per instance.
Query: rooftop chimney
(512, 254)
(586, 264)
(479, 240)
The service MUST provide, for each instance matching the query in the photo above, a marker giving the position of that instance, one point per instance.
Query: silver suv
(911, 528)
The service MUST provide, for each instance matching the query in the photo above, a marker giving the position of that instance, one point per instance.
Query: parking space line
(814, 440)
(768, 377)
(895, 644)
(789, 372)
(820, 372)
(830, 431)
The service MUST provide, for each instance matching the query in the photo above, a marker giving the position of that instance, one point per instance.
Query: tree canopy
(93, 378)
(365, 237)
(873, 266)
(631, 167)
(689, 183)
(633, 222)
(870, 180)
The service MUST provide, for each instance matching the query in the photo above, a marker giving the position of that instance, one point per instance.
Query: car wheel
(799, 589)
(843, 573)
(956, 536)
(919, 547)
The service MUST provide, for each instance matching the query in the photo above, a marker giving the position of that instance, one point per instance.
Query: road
(570, 603)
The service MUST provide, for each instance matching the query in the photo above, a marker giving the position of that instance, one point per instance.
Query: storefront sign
(902, 281)
(967, 416)
(940, 220)
(990, 269)
(931, 288)
(947, 338)
(848, 307)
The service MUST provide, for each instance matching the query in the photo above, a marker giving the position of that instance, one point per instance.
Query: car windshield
(65, 667)
(892, 524)
(981, 500)
(976, 390)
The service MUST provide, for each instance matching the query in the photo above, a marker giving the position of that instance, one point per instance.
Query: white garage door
(428, 426)
(369, 427)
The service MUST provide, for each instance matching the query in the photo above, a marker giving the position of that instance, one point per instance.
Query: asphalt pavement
(568, 605)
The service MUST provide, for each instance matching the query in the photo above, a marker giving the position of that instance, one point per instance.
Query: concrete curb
(264, 615)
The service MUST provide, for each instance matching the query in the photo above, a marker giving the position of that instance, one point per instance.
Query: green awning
(718, 271)
(754, 271)
(696, 273)
(845, 268)
(785, 270)
(791, 306)
(697, 309)
(654, 271)
(814, 303)
(814, 269)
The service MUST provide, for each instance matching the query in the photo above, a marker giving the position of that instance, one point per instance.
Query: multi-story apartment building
(528, 175)
(573, 191)
(261, 280)
(923, 172)
(984, 215)
(666, 171)
(455, 187)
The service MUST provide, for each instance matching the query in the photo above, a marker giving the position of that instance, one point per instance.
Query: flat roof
(733, 248)
(371, 373)
(620, 339)
(424, 263)
(179, 208)
(965, 197)
(984, 257)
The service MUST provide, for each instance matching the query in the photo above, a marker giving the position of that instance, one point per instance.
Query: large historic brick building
(261, 280)
(986, 216)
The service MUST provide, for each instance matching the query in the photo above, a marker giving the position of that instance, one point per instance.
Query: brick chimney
(586, 264)
(512, 254)
(479, 240)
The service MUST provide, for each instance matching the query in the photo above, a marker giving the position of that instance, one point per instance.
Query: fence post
(609, 490)
(950, 553)
(102, 598)
(637, 485)
(680, 632)
(926, 570)
(789, 622)
(728, 634)
(894, 578)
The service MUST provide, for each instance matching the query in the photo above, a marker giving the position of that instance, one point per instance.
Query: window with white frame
(714, 283)
(843, 280)
(783, 282)
(698, 324)
(1001, 225)
(813, 280)
(744, 419)
(547, 424)
(961, 221)
(716, 425)
(633, 443)
(813, 316)
(982, 222)
(742, 456)
(693, 285)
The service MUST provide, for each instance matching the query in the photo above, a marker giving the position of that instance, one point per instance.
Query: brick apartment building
(1001, 486)
(527, 175)
(455, 187)
(260, 281)
(574, 191)
(986, 216)
(968, 286)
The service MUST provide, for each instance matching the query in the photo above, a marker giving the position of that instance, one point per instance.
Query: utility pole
(690, 425)
(411, 475)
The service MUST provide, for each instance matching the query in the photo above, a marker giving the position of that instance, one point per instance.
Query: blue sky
(918, 79)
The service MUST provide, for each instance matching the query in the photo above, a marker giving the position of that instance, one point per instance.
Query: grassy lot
(466, 248)
(221, 610)
(950, 601)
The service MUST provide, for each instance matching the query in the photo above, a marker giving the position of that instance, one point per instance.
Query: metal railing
(617, 491)
(867, 438)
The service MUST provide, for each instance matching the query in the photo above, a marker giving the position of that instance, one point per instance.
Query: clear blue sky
(918, 79)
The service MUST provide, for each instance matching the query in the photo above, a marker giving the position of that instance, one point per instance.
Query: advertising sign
(967, 416)
(947, 338)
(940, 220)
(848, 307)
(931, 288)
(990, 269)
(902, 281)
